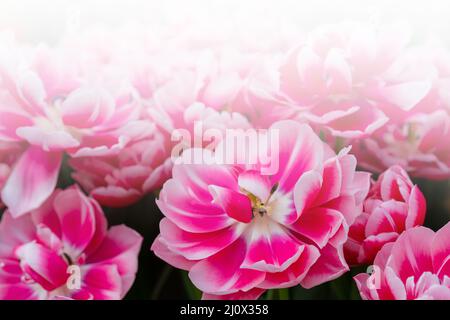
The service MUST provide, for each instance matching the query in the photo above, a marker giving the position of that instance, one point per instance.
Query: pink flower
(393, 205)
(236, 228)
(416, 266)
(123, 179)
(223, 81)
(68, 232)
(418, 145)
(49, 107)
(336, 79)
(415, 137)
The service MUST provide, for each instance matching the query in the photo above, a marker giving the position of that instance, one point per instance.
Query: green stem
(270, 294)
(193, 292)
(283, 294)
(161, 282)
(339, 287)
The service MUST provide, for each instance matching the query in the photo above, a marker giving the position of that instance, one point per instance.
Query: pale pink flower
(323, 80)
(418, 145)
(415, 137)
(344, 79)
(46, 105)
(68, 230)
(123, 179)
(393, 205)
(236, 229)
(222, 81)
(416, 266)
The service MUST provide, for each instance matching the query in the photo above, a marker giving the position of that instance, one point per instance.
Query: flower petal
(32, 180)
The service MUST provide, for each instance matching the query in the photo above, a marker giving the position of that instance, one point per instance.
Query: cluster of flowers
(106, 104)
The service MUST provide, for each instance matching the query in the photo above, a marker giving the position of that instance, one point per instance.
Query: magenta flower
(393, 205)
(236, 228)
(68, 232)
(416, 266)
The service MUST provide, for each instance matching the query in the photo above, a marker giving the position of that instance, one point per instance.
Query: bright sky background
(46, 20)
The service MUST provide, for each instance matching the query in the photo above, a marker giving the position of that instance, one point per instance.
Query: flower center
(261, 208)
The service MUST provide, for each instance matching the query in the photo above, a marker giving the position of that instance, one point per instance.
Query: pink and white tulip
(237, 229)
(393, 205)
(416, 266)
(49, 107)
(418, 145)
(67, 232)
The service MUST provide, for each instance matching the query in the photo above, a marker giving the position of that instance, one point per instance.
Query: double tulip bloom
(393, 205)
(240, 231)
(416, 266)
(64, 250)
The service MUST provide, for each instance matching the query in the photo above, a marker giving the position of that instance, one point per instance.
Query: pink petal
(32, 91)
(77, 219)
(337, 72)
(441, 251)
(407, 95)
(44, 266)
(196, 246)
(181, 206)
(10, 121)
(305, 192)
(120, 248)
(162, 251)
(438, 293)
(17, 292)
(32, 180)
(53, 139)
(300, 150)
(373, 244)
(255, 183)
(45, 215)
(331, 182)
(15, 232)
(318, 225)
(221, 273)
(361, 282)
(417, 208)
(235, 204)
(411, 253)
(271, 250)
(330, 265)
(387, 217)
(295, 273)
(394, 284)
(102, 281)
(85, 108)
